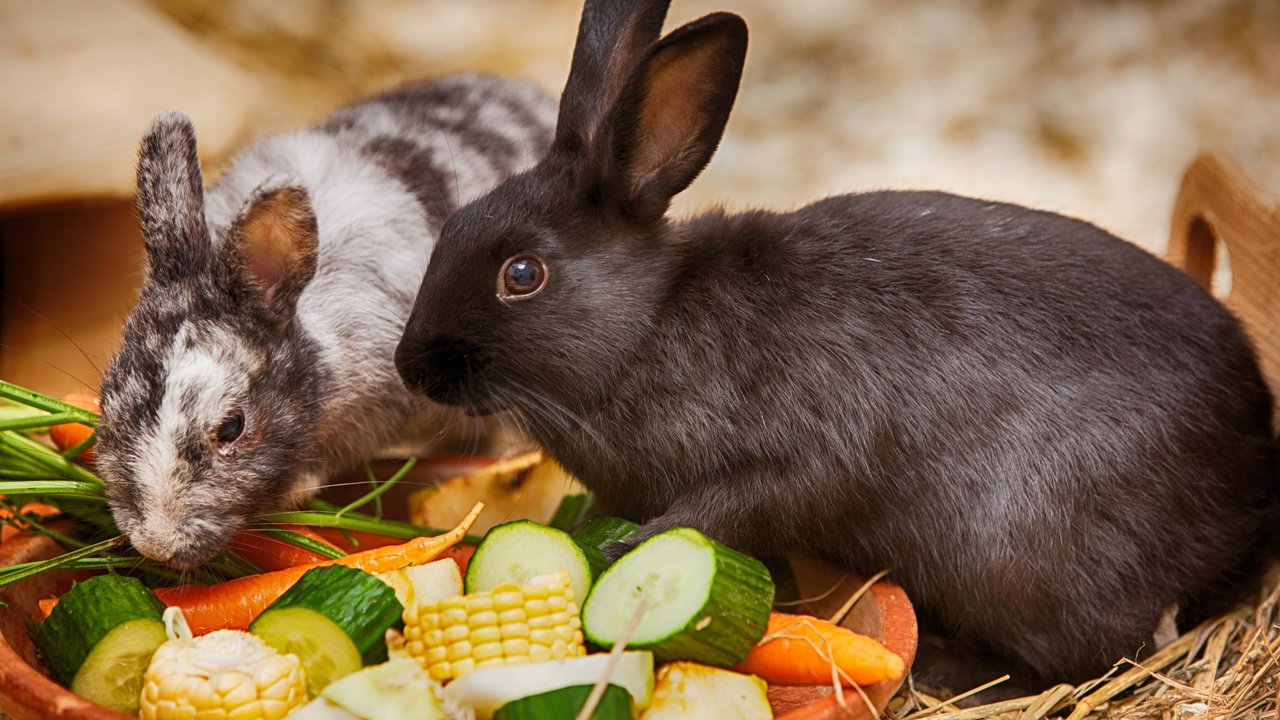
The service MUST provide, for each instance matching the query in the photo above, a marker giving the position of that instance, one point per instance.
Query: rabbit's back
(382, 175)
(1008, 408)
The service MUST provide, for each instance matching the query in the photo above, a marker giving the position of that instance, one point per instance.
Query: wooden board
(1218, 204)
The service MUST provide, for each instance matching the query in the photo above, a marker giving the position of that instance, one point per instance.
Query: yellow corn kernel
(225, 675)
(508, 625)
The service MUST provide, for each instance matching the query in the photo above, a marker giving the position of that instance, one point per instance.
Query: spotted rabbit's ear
(613, 38)
(171, 200)
(269, 253)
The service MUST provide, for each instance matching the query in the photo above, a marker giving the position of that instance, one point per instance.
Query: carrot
(235, 603)
(461, 552)
(355, 540)
(69, 435)
(37, 511)
(803, 650)
(272, 553)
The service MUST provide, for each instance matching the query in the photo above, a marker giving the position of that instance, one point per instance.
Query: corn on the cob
(509, 625)
(225, 675)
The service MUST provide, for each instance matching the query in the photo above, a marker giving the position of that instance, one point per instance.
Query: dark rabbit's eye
(231, 428)
(521, 277)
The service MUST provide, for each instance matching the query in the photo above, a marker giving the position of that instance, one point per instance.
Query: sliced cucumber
(566, 703)
(516, 551)
(100, 637)
(334, 619)
(705, 601)
(395, 690)
(486, 690)
(320, 709)
(599, 533)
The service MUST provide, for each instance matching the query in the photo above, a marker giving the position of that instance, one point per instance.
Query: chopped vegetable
(334, 619)
(10, 526)
(803, 650)
(235, 603)
(395, 690)
(689, 691)
(267, 550)
(225, 675)
(516, 551)
(511, 624)
(705, 601)
(484, 691)
(69, 435)
(599, 533)
(566, 703)
(100, 638)
(436, 580)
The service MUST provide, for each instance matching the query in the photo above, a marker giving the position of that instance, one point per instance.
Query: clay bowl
(884, 612)
(26, 693)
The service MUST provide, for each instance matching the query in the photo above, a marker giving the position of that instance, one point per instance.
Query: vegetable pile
(536, 624)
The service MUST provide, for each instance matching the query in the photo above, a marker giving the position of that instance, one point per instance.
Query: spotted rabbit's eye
(231, 428)
(521, 277)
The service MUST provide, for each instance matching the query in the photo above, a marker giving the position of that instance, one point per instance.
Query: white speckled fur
(380, 176)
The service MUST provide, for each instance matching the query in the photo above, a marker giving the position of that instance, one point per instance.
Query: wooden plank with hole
(1218, 203)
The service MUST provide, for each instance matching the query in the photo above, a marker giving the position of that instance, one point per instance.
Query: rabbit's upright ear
(171, 200)
(269, 253)
(613, 38)
(671, 115)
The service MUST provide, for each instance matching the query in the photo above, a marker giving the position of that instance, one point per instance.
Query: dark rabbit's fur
(1047, 434)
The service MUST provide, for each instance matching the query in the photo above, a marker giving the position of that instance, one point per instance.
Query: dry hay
(1229, 667)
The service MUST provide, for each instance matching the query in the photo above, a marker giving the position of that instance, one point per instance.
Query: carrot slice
(804, 650)
(9, 530)
(69, 435)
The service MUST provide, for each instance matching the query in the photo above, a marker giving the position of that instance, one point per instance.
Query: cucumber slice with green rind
(706, 601)
(599, 533)
(566, 703)
(326, 651)
(334, 619)
(100, 637)
(517, 551)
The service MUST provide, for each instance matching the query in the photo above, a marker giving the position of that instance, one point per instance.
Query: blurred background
(1092, 108)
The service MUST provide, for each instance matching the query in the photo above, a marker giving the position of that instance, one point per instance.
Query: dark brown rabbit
(1047, 434)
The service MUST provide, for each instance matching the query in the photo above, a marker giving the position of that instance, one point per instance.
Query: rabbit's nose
(438, 367)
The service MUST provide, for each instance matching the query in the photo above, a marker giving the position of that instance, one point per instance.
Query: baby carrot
(461, 552)
(802, 650)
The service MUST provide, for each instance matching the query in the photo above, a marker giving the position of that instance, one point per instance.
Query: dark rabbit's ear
(671, 116)
(613, 38)
(269, 253)
(171, 200)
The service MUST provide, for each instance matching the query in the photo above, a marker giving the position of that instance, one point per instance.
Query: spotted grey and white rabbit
(258, 360)
(1047, 434)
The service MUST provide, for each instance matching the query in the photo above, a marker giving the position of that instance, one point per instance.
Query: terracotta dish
(26, 693)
